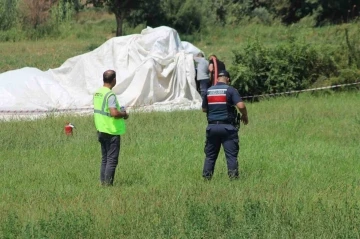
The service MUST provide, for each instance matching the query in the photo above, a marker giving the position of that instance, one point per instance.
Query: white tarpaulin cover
(154, 69)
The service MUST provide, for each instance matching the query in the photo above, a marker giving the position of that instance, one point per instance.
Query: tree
(120, 8)
(149, 13)
(183, 15)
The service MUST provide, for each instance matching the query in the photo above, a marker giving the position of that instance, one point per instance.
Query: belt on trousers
(219, 122)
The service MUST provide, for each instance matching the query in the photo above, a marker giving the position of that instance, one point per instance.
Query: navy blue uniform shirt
(232, 96)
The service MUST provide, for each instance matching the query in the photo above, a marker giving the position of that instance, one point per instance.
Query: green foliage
(238, 12)
(188, 17)
(42, 31)
(8, 14)
(346, 76)
(287, 66)
(121, 10)
(12, 35)
(78, 5)
(263, 15)
(45, 19)
(185, 16)
(62, 12)
(335, 11)
(353, 49)
(150, 14)
(57, 24)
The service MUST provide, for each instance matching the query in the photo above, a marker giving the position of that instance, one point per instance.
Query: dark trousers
(217, 135)
(197, 85)
(110, 149)
(203, 87)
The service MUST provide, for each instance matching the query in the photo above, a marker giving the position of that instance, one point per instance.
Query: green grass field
(299, 164)
(299, 159)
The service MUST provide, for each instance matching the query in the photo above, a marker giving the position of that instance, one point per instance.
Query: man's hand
(242, 108)
(211, 67)
(118, 114)
(244, 119)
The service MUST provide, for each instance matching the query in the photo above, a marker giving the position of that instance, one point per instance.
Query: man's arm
(118, 114)
(204, 104)
(242, 108)
(114, 112)
(236, 99)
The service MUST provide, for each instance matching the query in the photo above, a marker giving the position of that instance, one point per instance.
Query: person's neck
(107, 85)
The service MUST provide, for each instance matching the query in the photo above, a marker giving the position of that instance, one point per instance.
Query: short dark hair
(109, 76)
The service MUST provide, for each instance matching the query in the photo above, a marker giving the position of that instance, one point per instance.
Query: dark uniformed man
(110, 124)
(220, 105)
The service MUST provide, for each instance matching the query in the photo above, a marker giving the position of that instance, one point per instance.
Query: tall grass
(299, 176)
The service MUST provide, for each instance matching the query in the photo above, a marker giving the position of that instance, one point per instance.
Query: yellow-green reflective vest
(104, 122)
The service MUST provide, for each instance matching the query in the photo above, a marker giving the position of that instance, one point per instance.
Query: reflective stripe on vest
(102, 111)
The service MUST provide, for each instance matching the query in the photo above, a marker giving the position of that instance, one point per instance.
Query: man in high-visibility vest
(110, 124)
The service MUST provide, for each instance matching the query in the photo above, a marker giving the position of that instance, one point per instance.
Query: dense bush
(288, 66)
